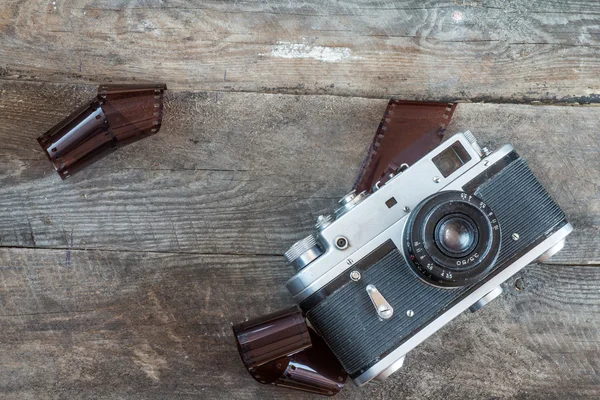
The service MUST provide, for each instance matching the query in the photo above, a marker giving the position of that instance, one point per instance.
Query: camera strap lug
(382, 307)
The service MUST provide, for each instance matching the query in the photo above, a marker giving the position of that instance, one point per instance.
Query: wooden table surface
(123, 281)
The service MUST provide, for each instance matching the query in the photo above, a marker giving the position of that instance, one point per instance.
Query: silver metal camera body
(391, 268)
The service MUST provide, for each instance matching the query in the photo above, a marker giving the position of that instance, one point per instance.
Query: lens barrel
(452, 239)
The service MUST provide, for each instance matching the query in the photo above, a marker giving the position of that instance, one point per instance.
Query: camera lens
(456, 235)
(452, 239)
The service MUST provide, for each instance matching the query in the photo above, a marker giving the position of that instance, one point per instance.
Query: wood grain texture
(518, 51)
(123, 282)
(249, 173)
(109, 325)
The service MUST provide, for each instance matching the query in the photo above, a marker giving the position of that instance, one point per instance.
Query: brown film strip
(280, 349)
(314, 370)
(271, 337)
(118, 116)
(408, 131)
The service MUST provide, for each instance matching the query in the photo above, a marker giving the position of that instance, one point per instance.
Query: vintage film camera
(391, 268)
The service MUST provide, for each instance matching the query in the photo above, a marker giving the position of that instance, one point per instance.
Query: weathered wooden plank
(515, 51)
(188, 227)
(207, 156)
(248, 173)
(111, 324)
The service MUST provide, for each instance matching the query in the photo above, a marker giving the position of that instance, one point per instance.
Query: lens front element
(452, 239)
(456, 235)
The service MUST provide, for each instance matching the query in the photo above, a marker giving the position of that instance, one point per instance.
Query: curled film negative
(271, 337)
(408, 131)
(118, 116)
(280, 349)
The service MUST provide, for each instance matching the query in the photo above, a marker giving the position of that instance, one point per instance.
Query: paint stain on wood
(320, 53)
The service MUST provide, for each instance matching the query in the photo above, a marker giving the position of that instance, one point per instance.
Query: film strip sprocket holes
(408, 131)
(133, 111)
(120, 115)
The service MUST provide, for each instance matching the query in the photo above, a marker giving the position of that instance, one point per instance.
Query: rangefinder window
(451, 159)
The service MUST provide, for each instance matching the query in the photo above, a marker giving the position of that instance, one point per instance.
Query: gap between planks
(220, 254)
(575, 101)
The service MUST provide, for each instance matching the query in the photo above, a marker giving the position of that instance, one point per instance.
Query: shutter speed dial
(349, 201)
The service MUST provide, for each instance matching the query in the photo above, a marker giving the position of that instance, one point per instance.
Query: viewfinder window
(451, 159)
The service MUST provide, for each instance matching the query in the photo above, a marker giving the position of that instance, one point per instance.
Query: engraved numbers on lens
(446, 274)
(466, 261)
(494, 223)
